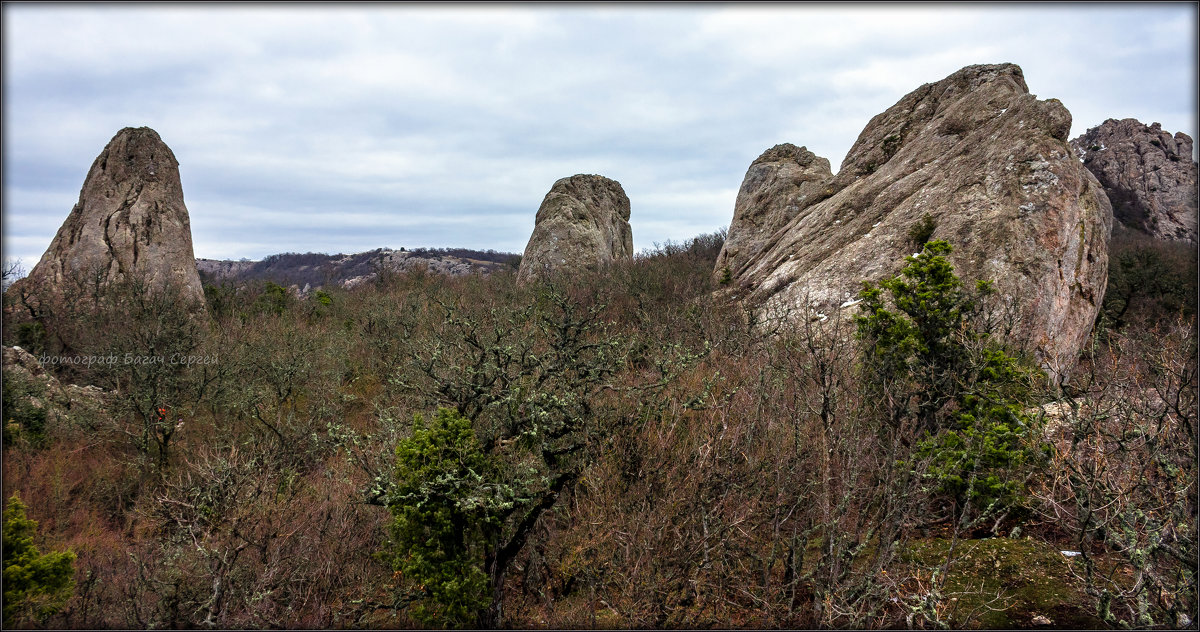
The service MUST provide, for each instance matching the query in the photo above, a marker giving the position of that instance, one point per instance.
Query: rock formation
(38, 388)
(582, 222)
(1148, 174)
(221, 269)
(778, 184)
(130, 220)
(406, 261)
(990, 164)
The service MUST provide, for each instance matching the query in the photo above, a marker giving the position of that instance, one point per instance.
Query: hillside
(316, 270)
(637, 457)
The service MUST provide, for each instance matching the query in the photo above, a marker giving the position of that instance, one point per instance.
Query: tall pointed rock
(130, 220)
(780, 182)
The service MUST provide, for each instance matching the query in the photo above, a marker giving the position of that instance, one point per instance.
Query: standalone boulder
(784, 179)
(1148, 174)
(130, 221)
(583, 222)
(990, 165)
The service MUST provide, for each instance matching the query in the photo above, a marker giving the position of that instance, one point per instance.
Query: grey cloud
(340, 129)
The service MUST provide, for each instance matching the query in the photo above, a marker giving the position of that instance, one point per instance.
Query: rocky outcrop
(130, 221)
(582, 222)
(220, 269)
(316, 270)
(408, 261)
(990, 164)
(1148, 174)
(780, 182)
(37, 388)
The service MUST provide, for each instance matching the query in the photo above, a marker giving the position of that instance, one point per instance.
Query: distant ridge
(312, 270)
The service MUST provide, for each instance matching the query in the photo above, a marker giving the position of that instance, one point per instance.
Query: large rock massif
(130, 220)
(583, 222)
(1148, 174)
(990, 163)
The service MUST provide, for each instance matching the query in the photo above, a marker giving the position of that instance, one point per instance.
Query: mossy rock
(1002, 583)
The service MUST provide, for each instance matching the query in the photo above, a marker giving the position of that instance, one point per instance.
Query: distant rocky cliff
(1148, 175)
(989, 163)
(315, 270)
(583, 221)
(214, 269)
(130, 220)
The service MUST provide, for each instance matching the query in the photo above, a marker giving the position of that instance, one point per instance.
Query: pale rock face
(780, 182)
(583, 222)
(130, 218)
(222, 269)
(407, 261)
(60, 401)
(1148, 175)
(991, 164)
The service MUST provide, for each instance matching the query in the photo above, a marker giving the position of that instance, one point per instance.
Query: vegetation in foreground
(620, 450)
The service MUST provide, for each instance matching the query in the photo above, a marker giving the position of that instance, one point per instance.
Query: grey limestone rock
(780, 182)
(61, 401)
(990, 163)
(582, 222)
(130, 220)
(222, 269)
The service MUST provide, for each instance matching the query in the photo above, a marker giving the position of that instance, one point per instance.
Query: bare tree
(1123, 478)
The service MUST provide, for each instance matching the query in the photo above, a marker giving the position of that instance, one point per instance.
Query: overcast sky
(332, 128)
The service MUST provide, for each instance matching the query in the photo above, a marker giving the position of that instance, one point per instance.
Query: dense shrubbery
(1150, 281)
(36, 584)
(613, 450)
(22, 417)
(936, 361)
(446, 503)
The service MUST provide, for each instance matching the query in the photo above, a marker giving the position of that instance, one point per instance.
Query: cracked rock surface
(778, 184)
(130, 218)
(583, 222)
(1148, 175)
(990, 164)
